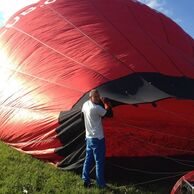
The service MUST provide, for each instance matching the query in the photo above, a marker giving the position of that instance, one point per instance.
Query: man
(95, 142)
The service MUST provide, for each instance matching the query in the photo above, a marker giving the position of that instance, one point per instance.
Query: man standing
(95, 142)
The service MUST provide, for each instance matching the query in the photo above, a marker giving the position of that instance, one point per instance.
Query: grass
(23, 174)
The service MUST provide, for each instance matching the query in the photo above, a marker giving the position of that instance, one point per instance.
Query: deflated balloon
(54, 52)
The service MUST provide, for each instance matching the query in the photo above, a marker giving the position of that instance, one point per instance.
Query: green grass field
(22, 174)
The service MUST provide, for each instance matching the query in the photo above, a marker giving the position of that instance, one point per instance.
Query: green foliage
(22, 174)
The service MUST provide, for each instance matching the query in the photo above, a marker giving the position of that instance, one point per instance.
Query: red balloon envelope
(54, 52)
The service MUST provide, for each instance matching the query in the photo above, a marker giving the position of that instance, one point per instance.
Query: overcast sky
(181, 11)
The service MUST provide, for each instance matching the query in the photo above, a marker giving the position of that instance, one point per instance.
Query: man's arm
(108, 107)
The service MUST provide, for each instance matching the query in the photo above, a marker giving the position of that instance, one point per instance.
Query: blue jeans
(95, 151)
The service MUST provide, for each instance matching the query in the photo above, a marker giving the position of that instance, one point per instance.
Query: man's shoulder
(85, 104)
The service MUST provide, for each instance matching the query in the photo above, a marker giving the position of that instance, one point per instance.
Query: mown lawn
(22, 174)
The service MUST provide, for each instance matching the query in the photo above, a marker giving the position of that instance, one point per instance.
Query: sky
(181, 11)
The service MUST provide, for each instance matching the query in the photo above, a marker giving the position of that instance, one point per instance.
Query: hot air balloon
(54, 52)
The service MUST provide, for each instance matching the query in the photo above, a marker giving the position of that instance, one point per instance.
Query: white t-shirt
(92, 117)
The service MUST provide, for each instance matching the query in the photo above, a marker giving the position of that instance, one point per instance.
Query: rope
(62, 54)
(42, 79)
(166, 157)
(89, 38)
(159, 179)
(164, 147)
(144, 171)
(157, 45)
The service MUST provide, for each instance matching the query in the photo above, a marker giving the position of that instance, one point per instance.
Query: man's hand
(108, 107)
(106, 102)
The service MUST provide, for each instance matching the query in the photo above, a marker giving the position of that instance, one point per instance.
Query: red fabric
(151, 131)
(53, 52)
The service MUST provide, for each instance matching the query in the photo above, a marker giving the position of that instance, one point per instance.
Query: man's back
(92, 117)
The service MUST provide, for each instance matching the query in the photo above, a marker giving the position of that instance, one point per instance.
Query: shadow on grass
(147, 174)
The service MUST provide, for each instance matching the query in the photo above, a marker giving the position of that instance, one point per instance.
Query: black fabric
(144, 88)
(71, 133)
(133, 89)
